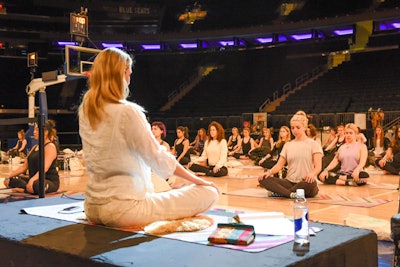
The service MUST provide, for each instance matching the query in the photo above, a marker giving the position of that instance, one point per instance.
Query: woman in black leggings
(391, 161)
(30, 184)
(212, 161)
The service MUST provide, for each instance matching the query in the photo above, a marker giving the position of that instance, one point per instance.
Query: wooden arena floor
(382, 186)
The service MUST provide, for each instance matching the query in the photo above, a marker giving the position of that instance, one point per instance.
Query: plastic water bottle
(66, 166)
(300, 209)
(10, 159)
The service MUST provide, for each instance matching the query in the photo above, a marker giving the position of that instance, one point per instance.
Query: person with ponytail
(181, 148)
(303, 157)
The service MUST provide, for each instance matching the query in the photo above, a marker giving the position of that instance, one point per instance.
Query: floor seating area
(346, 246)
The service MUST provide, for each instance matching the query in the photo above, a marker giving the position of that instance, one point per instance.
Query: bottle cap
(300, 192)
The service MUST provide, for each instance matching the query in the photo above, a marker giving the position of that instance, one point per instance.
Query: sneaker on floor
(351, 182)
(273, 194)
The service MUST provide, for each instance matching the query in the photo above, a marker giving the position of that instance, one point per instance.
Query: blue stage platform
(27, 240)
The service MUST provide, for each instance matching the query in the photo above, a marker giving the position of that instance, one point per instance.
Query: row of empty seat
(367, 80)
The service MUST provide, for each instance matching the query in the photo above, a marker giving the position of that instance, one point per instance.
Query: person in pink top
(352, 156)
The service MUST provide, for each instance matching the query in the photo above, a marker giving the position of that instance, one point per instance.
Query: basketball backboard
(79, 59)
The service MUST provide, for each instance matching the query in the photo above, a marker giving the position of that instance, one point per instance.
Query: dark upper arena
(332, 59)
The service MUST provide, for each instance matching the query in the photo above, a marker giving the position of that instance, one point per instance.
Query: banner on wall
(360, 119)
(260, 119)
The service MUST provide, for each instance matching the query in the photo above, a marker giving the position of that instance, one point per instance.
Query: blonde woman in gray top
(303, 156)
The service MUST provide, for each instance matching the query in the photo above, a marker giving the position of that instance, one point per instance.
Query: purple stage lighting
(264, 40)
(396, 25)
(189, 45)
(299, 37)
(61, 43)
(344, 32)
(108, 45)
(226, 43)
(383, 27)
(151, 46)
(282, 38)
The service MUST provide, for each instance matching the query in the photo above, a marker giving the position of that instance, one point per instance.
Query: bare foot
(18, 190)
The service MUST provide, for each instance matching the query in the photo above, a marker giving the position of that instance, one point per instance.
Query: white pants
(174, 204)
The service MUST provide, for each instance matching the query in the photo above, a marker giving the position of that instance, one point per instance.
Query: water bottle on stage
(300, 208)
(301, 234)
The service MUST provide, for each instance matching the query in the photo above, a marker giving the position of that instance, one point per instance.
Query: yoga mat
(383, 186)
(6, 195)
(242, 176)
(261, 242)
(251, 167)
(249, 192)
(321, 198)
(354, 201)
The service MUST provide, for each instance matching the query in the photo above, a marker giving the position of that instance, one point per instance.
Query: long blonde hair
(379, 137)
(282, 141)
(106, 83)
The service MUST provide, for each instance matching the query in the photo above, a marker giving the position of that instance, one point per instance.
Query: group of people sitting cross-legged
(119, 191)
(291, 163)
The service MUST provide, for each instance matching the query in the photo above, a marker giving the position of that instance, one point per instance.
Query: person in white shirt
(361, 137)
(120, 152)
(212, 161)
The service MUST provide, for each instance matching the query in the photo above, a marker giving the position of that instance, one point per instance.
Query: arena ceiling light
(281, 38)
(344, 31)
(188, 45)
(226, 43)
(264, 40)
(61, 43)
(116, 45)
(151, 46)
(388, 25)
(299, 37)
(396, 25)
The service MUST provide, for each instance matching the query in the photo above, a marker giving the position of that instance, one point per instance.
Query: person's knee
(331, 179)
(313, 192)
(222, 172)
(266, 183)
(211, 194)
(17, 182)
(195, 168)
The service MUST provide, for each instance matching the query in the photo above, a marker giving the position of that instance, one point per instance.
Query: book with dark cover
(233, 233)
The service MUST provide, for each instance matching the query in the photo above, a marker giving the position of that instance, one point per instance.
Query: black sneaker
(273, 194)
